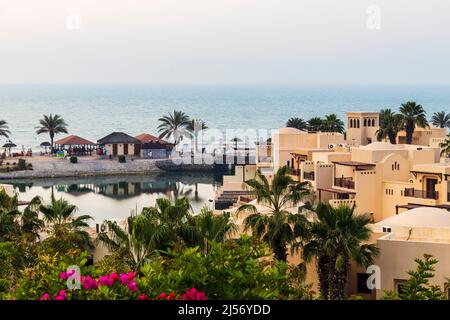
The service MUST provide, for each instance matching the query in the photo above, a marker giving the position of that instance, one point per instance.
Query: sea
(93, 111)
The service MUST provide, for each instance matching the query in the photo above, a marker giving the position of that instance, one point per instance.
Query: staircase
(228, 198)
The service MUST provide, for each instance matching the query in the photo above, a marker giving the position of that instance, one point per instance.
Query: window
(387, 229)
(398, 286)
(357, 123)
(362, 283)
(365, 122)
(373, 122)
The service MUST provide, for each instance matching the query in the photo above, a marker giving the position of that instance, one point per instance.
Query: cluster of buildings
(119, 143)
(405, 189)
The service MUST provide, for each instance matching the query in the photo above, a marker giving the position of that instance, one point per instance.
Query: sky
(378, 42)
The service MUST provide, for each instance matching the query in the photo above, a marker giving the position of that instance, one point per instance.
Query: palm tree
(157, 228)
(390, 125)
(15, 224)
(441, 119)
(315, 124)
(333, 124)
(445, 147)
(413, 115)
(338, 236)
(4, 130)
(211, 228)
(194, 127)
(52, 124)
(62, 225)
(297, 123)
(278, 227)
(175, 125)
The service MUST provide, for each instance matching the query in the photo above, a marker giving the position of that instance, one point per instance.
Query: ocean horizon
(93, 111)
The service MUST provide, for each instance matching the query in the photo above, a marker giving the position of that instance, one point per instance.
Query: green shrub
(233, 270)
(73, 159)
(122, 159)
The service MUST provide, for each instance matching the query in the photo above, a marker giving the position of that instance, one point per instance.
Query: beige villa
(119, 143)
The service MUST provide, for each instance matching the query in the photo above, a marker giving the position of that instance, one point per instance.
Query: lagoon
(116, 197)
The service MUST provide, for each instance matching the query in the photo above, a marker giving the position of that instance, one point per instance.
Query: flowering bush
(113, 286)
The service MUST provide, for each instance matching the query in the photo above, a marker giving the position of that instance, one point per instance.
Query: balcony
(308, 175)
(344, 183)
(423, 194)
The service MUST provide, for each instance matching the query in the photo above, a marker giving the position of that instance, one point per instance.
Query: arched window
(351, 123)
(357, 123)
(365, 122)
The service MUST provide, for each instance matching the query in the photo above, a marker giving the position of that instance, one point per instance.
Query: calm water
(115, 197)
(94, 111)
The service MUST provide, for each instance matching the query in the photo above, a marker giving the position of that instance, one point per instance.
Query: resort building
(153, 147)
(76, 145)
(119, 143)
(430, 136)
(407, 236)
(362, 127)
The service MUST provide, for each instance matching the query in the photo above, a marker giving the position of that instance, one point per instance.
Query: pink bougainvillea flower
(126, 278)
(194, 294)
(142, 297)
(171, 296)
(132, 286)
(89, 283)
(45, 296)
(63, 275)
(114, 277)
(106, 281)
(162, 296)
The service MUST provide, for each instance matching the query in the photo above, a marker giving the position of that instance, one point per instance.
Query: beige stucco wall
(423, 136)
(397, 258)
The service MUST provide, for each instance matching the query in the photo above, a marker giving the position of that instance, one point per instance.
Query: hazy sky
(224, 41)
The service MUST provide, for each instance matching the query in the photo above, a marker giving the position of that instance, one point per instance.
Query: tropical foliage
(194, 128)
(333, 124)
(337, 237)
(4, 129)
(174, 125)
(297, 123)
(391, 124)
(441, 119)
(53, 125)
(418, 287)
(277, 226)
(413, 115)
(445, 147)
(315, 124)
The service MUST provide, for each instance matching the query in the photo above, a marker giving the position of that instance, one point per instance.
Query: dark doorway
(125, 149)
(431, 185)
(114, 149)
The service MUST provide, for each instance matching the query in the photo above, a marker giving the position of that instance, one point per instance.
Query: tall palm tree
(175, 124)
(53, 125)
(441, 119)
(194, 128)
(390, 125)
(15, 224)
(413, 115)
(61, 223)
(297, 123)
(445, 147)
(333, 124)
(338, 236)
(315, 124)
(278, 226)
(4, 129)
(211, 228)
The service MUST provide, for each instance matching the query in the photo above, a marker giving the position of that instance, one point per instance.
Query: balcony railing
(344, 183)
(308, 175)
(424, 194)
(295, 172)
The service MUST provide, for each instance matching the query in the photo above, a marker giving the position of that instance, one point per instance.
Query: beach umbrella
(46, 144)
(9, 144)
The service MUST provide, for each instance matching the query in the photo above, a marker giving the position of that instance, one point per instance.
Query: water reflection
(116, 196)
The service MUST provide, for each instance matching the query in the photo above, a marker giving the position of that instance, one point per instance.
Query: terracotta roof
(118, 137)
(148, 138)
(73, 140)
